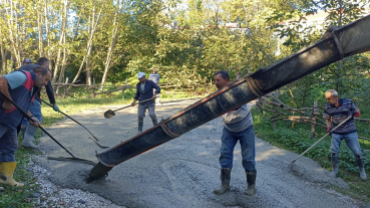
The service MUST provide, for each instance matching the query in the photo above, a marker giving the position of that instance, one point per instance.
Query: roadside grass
(22, 197)
(297, 140)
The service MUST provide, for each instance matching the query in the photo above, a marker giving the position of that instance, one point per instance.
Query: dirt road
(184, 172)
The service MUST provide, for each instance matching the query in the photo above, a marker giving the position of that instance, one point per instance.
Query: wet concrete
(184, 171)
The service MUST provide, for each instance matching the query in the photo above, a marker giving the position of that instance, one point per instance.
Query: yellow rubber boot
(6, 174)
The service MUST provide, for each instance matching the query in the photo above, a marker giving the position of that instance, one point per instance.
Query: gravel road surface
(184, 171)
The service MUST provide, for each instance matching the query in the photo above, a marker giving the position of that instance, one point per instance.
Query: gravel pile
(51, 195)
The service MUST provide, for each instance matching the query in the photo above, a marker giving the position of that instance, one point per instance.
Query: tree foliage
(110, 40)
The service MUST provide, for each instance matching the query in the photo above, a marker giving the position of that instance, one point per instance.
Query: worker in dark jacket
(336, 111)
(29, 131)
(26, 61)
(20, 87)
(144, 91)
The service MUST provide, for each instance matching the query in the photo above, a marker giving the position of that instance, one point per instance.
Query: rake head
(109, 114)
(71, 159)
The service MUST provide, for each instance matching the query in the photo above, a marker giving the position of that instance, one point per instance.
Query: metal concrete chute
(336, 44)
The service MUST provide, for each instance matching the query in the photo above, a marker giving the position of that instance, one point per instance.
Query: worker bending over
(22, 87)
(29, 131)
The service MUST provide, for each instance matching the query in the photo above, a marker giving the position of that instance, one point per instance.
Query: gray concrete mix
(184, 171)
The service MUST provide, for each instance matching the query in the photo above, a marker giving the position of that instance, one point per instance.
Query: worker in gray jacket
(238, 127)
(155, 78)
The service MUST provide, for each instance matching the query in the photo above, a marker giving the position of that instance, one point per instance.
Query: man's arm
(4, 89)
(136, 95)
(157, 88)
(328, 125)
(327, 118)
(50, 93)
(29, 114)
(356, 112)
(33, 121)
(328, 122)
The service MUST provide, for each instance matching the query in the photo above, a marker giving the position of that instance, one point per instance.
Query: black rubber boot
(140, 125)
(251, 181)
(225, 181)
(361, 167)
(335, 164)
(154, 121)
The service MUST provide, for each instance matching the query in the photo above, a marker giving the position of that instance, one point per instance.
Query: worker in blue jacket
(29, 131)
(20, 87)
(144, 91)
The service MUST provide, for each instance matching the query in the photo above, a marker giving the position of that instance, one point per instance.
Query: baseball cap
(27, 61)
(140, 75)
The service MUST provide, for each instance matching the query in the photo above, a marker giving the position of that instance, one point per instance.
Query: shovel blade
(109, 114)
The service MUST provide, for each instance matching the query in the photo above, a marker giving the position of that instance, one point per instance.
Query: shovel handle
(28, 117)
(143, 101)
(72, 120)
(122, 108)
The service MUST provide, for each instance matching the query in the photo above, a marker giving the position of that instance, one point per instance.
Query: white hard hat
(140, 75)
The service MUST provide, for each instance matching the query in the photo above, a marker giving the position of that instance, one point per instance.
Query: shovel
(110, 113)
(73, 159)
(96, 139)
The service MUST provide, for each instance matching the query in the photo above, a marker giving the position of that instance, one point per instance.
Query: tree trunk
(12, 62)
(12, 37)
(61, 76)
(62, 72)
(4, 54)
(111, 47)
(39, 23)
(48, 55)
(57, 63)
(2, 69)
(89, 44)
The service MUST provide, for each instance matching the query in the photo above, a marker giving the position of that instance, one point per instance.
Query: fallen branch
(290, 108)
(270, 110)
(110, 91)
(362, 120)
(307, 120)
(303, 121)
(280, 104)
(364, 138)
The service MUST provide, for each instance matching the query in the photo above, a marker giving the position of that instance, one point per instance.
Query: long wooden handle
(327, 134)
(143, 101)
(29, 118)
(73, 120)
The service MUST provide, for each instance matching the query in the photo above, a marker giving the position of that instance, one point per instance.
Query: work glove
(357, 114)
(55, 108)
(328, 130)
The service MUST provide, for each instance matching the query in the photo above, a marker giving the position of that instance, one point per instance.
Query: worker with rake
(337, 110)
(29, 131)
(20, 87)
(144, 91)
